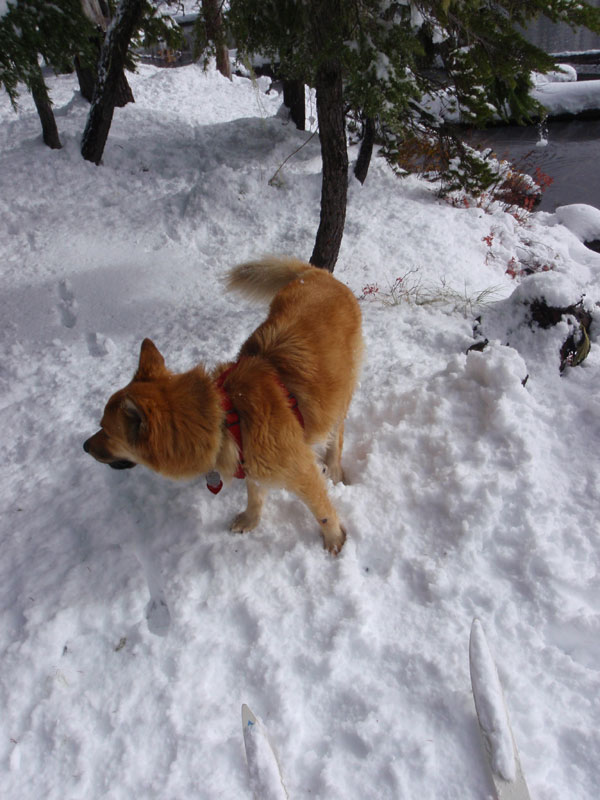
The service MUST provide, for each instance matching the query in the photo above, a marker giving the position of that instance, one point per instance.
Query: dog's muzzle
(117, 464)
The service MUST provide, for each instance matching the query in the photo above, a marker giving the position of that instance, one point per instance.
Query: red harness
(232, 423)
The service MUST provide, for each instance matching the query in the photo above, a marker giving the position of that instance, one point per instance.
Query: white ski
(494, 724)
(264, 771)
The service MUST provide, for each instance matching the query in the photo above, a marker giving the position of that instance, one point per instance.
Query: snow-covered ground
(134, 625)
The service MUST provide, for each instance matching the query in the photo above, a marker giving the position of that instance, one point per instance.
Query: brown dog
(256, 418)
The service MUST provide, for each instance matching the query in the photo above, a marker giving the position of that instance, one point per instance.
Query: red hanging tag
(214, 483)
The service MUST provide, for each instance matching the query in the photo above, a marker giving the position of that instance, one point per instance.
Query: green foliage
(209, 33)
(59, 31)
(394, 53)
(439, 155)
(31, 28)
(468, 170)
(414, 66)
(158, 27)
(280, 30)
(373, 48)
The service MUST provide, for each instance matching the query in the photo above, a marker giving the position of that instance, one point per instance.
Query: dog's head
(121, 441)
(171, 423)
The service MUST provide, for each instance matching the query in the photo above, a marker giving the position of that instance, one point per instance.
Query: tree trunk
(99, 13)
(363, 161)
(39, 92)
(87, 83)
(215, 32)
(124, 94)
(334, 190)
(110, 69)
(293, 98)
(86, 78)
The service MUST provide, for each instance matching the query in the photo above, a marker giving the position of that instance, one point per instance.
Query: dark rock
(577, 346)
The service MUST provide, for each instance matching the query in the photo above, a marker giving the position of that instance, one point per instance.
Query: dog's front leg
(249, 519)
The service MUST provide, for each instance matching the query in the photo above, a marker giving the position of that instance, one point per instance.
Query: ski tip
(477, 637)
(248, 718)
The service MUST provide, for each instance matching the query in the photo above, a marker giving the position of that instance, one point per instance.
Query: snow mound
(559, 98)
(564, 74)
(581, 219)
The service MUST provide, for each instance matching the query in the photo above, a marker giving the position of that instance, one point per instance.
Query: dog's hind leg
(249, 519)
(309, 484)
(333, 454)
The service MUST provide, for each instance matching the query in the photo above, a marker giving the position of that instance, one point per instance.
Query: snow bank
(565, 73)
(581, 219)
(560, 98)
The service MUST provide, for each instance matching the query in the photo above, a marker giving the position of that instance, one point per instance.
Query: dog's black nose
(86, 445)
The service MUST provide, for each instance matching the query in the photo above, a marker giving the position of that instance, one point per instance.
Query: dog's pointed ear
(135, 418)
(152, 364)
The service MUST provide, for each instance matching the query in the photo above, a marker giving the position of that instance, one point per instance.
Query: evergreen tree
(100, 13)
(211, 33)
(135, 24)
(60, 34)
(34, 29)
(110, 68)
(388, 57)
(329, 85)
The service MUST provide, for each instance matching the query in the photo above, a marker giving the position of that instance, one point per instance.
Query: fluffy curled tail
(262, 279)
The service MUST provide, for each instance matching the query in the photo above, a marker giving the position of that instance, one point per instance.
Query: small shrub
(409, 288)
(470, 177)
(438, 155)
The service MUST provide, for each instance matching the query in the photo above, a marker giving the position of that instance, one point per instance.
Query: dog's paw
(244, 522)
(334, 541)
